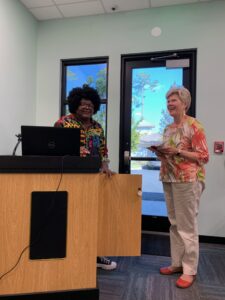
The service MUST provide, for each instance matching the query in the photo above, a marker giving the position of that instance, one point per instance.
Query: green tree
(135, 135)
(164, 121)
(90, 80)
(100, 85)
(141, 82)
(100, 117)
(71, 75)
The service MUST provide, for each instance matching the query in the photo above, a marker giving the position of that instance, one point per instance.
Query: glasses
(91, 106)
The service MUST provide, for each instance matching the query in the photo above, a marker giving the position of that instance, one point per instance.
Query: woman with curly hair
(83, 104)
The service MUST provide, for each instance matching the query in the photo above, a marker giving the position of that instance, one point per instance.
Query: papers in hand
(155, 148)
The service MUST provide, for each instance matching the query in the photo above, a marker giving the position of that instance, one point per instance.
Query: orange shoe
(170, 270)
(183, 284)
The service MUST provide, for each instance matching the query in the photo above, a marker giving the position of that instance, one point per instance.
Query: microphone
(19, 137)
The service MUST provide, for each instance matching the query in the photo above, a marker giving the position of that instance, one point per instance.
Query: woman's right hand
(157, 152)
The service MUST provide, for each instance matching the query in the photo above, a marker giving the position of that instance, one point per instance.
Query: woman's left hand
(169, 151)
(105, 169)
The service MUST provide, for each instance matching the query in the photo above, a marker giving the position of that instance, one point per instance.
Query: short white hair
(183, 94)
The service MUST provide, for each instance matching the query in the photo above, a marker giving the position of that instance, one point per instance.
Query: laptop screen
(43, 140)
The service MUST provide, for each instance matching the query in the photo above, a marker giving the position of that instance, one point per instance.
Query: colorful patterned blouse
(92, 139)
(189, 136)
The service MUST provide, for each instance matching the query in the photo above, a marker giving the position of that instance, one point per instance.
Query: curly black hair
(86, 92)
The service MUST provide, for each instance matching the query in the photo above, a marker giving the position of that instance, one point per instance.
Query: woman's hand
(105, 169)
(169, 151)
(157, 152)
(165, 152)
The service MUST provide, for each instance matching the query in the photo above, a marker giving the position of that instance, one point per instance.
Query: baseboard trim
(160, 225)
(84, 294)
(155, 223)
(202, 238)
(211, 239)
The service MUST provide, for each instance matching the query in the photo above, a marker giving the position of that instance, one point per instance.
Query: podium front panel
(78, 269)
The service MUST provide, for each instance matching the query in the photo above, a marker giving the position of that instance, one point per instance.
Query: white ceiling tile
(158, 3)
(69, 1)
(53, 9)
(37, 3)
(46, 13)
(81, 9)
(124, 5)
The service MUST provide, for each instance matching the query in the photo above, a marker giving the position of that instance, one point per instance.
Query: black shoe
(105, 263)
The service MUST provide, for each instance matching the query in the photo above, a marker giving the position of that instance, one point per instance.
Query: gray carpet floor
(138, 278)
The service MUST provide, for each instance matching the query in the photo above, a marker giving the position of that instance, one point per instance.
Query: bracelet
(105, 159)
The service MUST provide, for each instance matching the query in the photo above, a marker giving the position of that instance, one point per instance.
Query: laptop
(48, 141)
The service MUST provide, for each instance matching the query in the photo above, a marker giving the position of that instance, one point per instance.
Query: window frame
(128, 61)
(76, 62)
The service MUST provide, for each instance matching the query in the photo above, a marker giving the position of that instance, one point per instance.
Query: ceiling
(58, 9)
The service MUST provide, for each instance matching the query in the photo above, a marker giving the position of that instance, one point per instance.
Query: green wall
(18, 34)
(200, 26)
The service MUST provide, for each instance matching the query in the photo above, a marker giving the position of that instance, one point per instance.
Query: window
(91, 71)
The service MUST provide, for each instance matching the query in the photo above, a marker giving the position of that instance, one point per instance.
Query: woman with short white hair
(183, 154)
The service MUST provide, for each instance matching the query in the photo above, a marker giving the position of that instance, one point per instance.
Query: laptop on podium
(49, 141)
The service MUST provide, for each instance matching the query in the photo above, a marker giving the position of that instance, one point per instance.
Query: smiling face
(85, 110)
(175, 106)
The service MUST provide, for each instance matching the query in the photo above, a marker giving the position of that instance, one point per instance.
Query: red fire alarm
(218, 147)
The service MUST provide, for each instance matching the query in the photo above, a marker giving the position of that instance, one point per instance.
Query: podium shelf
(49, 164)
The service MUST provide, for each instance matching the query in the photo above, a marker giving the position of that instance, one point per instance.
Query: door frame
(150, 223)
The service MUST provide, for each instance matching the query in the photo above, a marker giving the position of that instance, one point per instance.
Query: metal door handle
(126, 157)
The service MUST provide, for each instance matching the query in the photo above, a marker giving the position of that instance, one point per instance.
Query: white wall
(200, 26)
(18, 34)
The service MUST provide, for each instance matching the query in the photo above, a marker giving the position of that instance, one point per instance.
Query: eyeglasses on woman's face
(86, 104)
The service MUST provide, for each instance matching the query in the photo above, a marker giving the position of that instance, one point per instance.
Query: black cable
(10, 270)
(62, 169)
(19, 136)
(41, 228)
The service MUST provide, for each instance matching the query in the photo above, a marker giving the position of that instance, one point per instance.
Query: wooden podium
(103, 219)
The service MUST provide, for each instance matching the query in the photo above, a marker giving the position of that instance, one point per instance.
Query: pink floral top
(189, 136)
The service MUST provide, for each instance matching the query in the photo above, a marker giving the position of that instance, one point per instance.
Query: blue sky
(154, 100)
(77, 75)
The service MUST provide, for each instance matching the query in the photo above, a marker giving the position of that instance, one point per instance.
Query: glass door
(146, 79)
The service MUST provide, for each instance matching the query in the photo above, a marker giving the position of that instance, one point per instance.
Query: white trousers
(182, 200)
